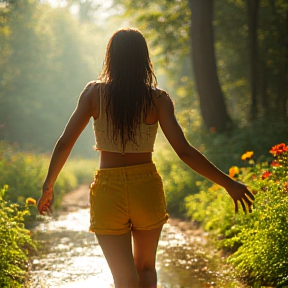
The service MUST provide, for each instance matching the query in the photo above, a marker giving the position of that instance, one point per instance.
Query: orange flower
(234, 170)
(30, 201)
(278, 149)
(266, 174)
(247, 155)
(274, 164)
(285, 187)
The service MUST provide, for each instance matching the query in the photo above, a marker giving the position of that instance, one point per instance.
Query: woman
(127, 195)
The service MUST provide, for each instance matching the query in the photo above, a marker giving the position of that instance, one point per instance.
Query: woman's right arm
(195, 159)
(76, 124)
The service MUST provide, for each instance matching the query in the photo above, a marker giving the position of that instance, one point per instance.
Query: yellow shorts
(126, 198)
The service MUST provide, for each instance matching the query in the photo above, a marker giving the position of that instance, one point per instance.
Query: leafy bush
(24, 174)
(258, 240)
(210, 205)
(178, 179)
(264, 253)
(221, 148)
(82, 169)
(15, 244)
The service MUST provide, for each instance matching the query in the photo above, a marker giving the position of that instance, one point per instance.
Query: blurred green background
(224, 63)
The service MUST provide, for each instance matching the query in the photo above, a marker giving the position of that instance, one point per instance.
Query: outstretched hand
(45, 202)
(240, 192)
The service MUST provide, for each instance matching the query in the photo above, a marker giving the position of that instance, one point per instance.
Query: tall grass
(24, 173)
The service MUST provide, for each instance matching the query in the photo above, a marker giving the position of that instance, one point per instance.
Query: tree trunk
(252, 13)
(262, 88)
(282, 97)
(212, 103)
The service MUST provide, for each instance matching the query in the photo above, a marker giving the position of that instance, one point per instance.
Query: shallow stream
(71, 257)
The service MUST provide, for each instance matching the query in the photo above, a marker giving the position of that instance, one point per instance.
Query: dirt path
(71, 257)
(75, 199)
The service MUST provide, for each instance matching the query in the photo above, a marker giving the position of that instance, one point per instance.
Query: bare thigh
(145, 244)
(117, 250)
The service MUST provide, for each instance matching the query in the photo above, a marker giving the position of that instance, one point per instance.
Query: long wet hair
(129, 77)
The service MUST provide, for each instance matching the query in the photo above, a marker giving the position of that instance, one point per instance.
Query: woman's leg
(144, 245)
(117, 250)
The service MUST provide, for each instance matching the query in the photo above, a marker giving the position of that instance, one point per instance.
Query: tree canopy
(47, 57)
(250, 40)
(49, 54)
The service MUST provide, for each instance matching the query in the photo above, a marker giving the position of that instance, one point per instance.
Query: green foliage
(166, 24)
(24, 174)
(47, 57)
(223, 148)
(264, 253)
(258, 240)
(209, 206)
(82, 169)
(178, 179)
(15, 244)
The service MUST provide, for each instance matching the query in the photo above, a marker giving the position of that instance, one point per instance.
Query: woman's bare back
(113, 159)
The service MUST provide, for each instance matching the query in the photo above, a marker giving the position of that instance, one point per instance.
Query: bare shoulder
(162, 99)
(90, 92)
(91, 87)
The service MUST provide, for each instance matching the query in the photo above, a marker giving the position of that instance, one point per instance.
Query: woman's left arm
(196, 160)
(76, 124)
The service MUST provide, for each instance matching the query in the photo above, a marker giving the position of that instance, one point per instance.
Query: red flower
(278, 149)
(274, 164)
(266, 174)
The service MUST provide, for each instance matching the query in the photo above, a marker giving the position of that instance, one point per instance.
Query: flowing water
(71, 257)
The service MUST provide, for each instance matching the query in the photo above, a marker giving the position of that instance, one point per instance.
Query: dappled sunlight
(78, 221)
(186, 259)
(71, 256)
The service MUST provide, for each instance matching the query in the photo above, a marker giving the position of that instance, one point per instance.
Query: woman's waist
(125, 174)
(114, 159)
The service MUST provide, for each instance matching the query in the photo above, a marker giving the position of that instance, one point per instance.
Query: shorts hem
(120, 232)
(159, 224)
(109, 232)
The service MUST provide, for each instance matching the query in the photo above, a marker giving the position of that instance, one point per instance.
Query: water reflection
(71, 257)
(70, 254)
(186, 259)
